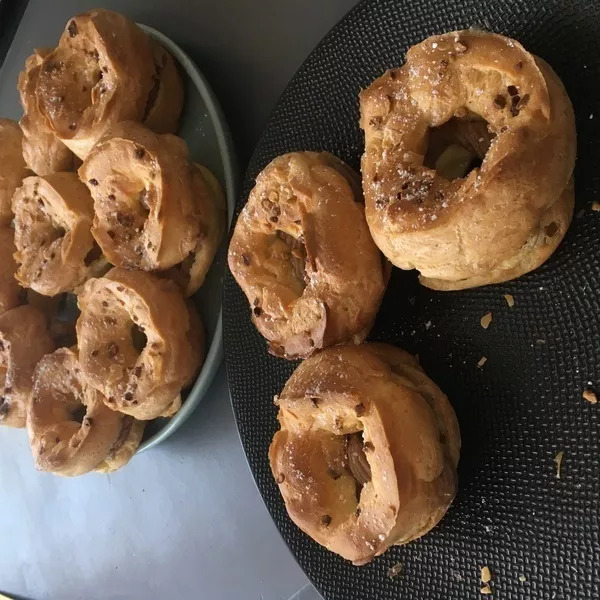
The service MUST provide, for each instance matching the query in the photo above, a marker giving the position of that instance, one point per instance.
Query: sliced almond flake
(486, 589)
(590, 396)
(558, 460)
(395, 570)
(596, 206)
(482, 361)
(486, 574)
(486, 320)
(522, 578)
(510, 300)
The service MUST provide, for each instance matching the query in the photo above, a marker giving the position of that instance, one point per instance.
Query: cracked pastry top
(469, 153)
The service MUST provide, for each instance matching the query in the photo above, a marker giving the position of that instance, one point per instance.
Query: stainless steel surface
(183, 520)
(183, 517)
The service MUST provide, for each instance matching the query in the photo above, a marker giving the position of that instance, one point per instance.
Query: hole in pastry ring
(488, 226)
(20, 327)
(12, 166)
(145, 212)
(71, 430)
(55, 248)
(308, 287)
(406, 480)
(113, 62)
(139, 343)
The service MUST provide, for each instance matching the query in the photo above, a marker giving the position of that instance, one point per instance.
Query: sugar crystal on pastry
(469, 152)
(307, 286)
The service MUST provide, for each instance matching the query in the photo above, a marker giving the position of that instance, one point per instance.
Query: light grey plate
(204, 129)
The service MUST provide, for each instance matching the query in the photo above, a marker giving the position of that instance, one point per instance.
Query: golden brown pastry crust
(10, 290)
(60, 441)
(405, 460)
(43, 152)
(124, 446)
(140, 376)
(55, 248)
(24, 339)
(113, 62)
(165, 101)
(12, 166)
(302, 253)
(212, 208)
(141, 182)
(504, 218)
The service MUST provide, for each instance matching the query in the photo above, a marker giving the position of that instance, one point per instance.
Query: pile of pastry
(101, 207)
(466, 177)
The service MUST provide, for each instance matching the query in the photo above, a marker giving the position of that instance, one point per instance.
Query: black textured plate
(525, 404)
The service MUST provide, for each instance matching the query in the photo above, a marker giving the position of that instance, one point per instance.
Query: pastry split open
(71, 430)
(303, 255)
(43, 151)
(146, 214)
(469, 152)
(55, 248)
(104, 70)
(367, 451)
(139, 342)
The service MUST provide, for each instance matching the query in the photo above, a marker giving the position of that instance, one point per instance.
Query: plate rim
(215, 354)
(246, 177)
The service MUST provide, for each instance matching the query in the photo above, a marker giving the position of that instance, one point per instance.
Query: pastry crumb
(522, 578)
(510, 300)
(482, 361)
(486, 320)
(558, 460)
(486, 574)
(486, 589)
(596, 206)
(590, 396)
(395, 570)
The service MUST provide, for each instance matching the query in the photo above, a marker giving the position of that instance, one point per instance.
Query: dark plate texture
(525, 404)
